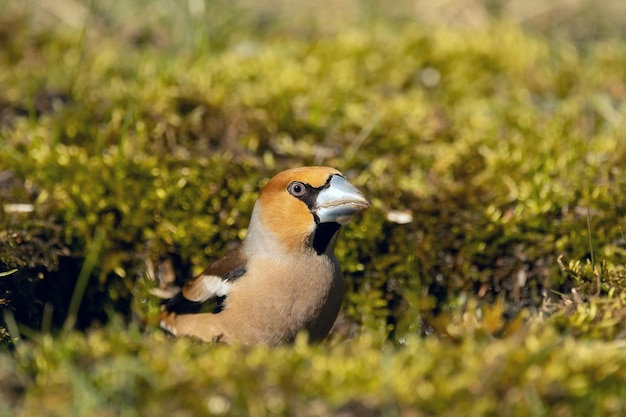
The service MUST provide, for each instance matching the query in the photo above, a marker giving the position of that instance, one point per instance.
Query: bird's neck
(262, 240)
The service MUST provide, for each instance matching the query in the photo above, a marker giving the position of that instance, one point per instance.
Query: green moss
(143, 142)
(533, 370)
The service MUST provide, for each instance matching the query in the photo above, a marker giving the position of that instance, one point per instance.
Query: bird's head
(307, 206)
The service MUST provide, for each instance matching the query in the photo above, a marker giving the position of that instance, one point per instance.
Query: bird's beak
(339, 202)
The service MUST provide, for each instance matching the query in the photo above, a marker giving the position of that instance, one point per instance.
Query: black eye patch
(307, 193)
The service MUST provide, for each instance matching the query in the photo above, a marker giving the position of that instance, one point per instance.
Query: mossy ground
(487, 278)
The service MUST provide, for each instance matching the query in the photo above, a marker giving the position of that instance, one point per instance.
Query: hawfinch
(283, 278)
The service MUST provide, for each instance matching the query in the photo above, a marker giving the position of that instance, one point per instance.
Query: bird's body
(284, 277)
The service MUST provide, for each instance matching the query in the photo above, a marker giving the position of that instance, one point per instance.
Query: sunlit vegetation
(487, 278)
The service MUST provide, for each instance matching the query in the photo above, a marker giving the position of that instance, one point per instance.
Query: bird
(283, 278)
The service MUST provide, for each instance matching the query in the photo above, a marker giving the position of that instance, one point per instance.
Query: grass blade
(83, 278)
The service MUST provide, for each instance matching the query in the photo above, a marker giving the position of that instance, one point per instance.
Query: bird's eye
(296, 189)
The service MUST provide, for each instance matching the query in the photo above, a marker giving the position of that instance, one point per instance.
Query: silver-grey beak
(339, 202)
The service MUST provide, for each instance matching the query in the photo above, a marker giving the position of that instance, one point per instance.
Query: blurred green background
(487, 278)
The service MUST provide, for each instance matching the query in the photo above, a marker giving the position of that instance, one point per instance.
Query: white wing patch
(205, 287)
(214, 286)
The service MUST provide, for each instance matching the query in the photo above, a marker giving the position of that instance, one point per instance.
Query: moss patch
(487, 278)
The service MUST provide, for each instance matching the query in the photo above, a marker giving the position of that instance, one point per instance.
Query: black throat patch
(324, 233)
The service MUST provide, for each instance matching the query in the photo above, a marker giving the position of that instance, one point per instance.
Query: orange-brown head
(306, 206)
